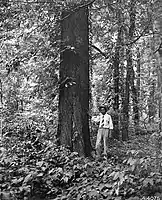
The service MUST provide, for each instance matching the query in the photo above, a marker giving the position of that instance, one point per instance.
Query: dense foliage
(43, 170)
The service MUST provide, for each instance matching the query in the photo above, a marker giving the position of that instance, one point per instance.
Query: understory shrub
(48, 171)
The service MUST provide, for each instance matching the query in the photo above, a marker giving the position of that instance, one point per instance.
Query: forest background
(122, 50)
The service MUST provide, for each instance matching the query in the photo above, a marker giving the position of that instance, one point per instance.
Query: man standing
(104, 131)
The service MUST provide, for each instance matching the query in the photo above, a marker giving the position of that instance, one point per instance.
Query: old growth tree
(73, 125)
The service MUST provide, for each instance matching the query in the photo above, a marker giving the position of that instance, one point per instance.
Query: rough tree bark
(151, 100)
(1, 109)
(138, 85)
(125, 121)
(73, 123)
(116, 75)
(158, 26)
(130, 78)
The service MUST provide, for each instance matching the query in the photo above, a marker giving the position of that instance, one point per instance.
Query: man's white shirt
(107, 121)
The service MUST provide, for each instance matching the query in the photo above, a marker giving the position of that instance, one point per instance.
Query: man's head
(103, 109)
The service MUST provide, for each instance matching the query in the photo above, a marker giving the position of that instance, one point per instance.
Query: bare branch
(158, 49)
(100, 51)
(143, 32)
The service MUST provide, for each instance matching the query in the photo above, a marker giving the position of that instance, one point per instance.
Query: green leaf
(116, 175)
(5, 195)
(133, 167)
(108, 185)
(117, 191)
(44, 169)
(1, 177)
(40, 163)
(78, 197)
(131, 161)
(101, 187)
(51, 171)
(117, 198)
(148, 181)
(112, 174)
(66, 179)
(17, 181)
(40, 174)
(93, 193)
(106, 194)
(7, 160)
(152, 173)
(26, 189)
(121, 177)
(28, 178)
(63, 197)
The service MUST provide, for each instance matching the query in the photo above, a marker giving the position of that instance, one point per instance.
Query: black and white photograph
(80, 99)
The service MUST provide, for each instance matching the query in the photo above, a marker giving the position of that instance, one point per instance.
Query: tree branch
(100, 51)
(144, 30)
(158, 49)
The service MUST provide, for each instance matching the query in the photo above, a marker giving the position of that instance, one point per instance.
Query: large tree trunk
(73, 126)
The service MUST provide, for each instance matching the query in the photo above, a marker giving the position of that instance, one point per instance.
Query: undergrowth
(44, 170)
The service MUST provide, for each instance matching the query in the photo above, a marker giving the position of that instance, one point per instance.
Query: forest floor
(132, 172)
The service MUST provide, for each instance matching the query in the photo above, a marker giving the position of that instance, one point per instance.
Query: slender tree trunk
(160, 93)
(138, 75)
(130, 78)
(125, 112)
(73, 125)
(135, 101)
(138, 89)
(158, 39)
(151, 100)
(160, 79)
(122, 93)
(1, 110)
(160, 74)
(116, 76)
(117, 60)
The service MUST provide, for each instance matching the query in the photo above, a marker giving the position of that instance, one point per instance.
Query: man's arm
(96, 119)
(110, 126)
(110, 123)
